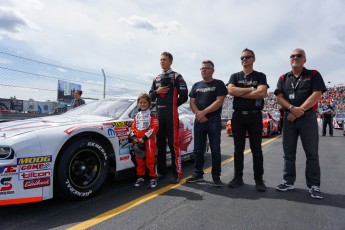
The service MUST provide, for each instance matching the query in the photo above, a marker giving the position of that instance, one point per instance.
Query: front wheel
(81, 170)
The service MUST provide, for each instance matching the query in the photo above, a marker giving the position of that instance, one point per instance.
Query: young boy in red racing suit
(143, 133)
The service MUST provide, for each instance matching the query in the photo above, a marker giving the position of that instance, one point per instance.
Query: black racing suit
(168, 118)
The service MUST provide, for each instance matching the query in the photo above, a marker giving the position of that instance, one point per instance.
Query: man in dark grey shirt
(77, 101)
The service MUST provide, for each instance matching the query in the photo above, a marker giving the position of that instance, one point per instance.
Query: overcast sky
(126, 38)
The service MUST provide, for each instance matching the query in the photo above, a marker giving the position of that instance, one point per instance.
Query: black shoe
(195, 178)
(153, 183)
(160, 176)
(260, 186)
(217, 183)
(284, 186)
(175, 180)
(235, 182)
(315, 192)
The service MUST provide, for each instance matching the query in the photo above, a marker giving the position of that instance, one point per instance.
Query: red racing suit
(145, 126)
(168, 119)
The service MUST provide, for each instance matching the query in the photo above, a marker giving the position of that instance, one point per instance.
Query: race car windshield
(106, 108)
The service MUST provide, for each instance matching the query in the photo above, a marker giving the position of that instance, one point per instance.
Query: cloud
(139, 23)
(143, 23)
(340, 36)
(12, 22)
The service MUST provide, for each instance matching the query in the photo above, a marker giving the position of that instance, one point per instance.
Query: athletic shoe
(175, 180)
(235, 182)
(284, 186)
(315, 192)
(195, 178)
(153, 183)
(217, 183)
(140, 181)
(260, 186)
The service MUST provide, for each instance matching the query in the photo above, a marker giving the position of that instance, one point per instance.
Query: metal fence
(31, 78)
(31, 83)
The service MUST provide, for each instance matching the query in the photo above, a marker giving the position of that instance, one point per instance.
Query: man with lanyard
(249, 88)
(327, 115)
(206, 100)
(170, 90)
(298, 92)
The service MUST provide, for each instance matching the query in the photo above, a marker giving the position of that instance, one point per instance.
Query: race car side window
(133, 112)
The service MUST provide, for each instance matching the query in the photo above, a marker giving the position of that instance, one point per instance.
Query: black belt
(246, 112)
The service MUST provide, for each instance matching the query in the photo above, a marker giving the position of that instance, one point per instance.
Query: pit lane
(191, 206)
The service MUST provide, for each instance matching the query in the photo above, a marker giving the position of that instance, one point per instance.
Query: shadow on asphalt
(248, 192)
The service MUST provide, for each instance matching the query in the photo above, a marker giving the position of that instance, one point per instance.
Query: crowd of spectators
(335, 94)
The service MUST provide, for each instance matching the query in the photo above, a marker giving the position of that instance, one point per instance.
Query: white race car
(72, 154)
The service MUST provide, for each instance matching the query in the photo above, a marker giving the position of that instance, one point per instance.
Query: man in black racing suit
(170, 90)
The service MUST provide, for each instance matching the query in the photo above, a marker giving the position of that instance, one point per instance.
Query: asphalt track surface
(201, 206)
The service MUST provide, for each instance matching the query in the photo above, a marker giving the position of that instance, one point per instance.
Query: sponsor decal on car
(124, 158)
(36, 183)
(123, 143)
(122, 134)
(120, 124)
(6, 186)
(111, 132)
(8, 170)
(34, 167)
(108, 124)
(72, 129)
(124, 150)
(122, 129)
(34, 174)
(34, 160)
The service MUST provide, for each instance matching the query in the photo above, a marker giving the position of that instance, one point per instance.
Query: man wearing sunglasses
(249, 88)
(298, 92)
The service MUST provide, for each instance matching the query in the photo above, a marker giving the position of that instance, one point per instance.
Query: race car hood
(13, 128)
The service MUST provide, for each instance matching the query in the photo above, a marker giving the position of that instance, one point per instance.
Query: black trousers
(305, 127)
(325, 122)
(241, 124)
(168, 131)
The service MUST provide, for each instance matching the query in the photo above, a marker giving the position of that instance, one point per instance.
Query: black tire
(81, 170)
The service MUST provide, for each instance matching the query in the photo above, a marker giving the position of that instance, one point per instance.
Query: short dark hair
(208, 62)
(168, 55)
(246, 49)
(144, 96)
(79, 92)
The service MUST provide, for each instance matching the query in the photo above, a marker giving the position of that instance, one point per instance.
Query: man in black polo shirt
(298, 92)
(327, 118)
(206, 100)
(249, 88)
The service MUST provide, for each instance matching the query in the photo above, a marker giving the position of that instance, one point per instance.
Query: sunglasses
(296, 56)
(205, 68)
(246, 57)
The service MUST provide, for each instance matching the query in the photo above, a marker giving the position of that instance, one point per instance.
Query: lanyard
(294, 87)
